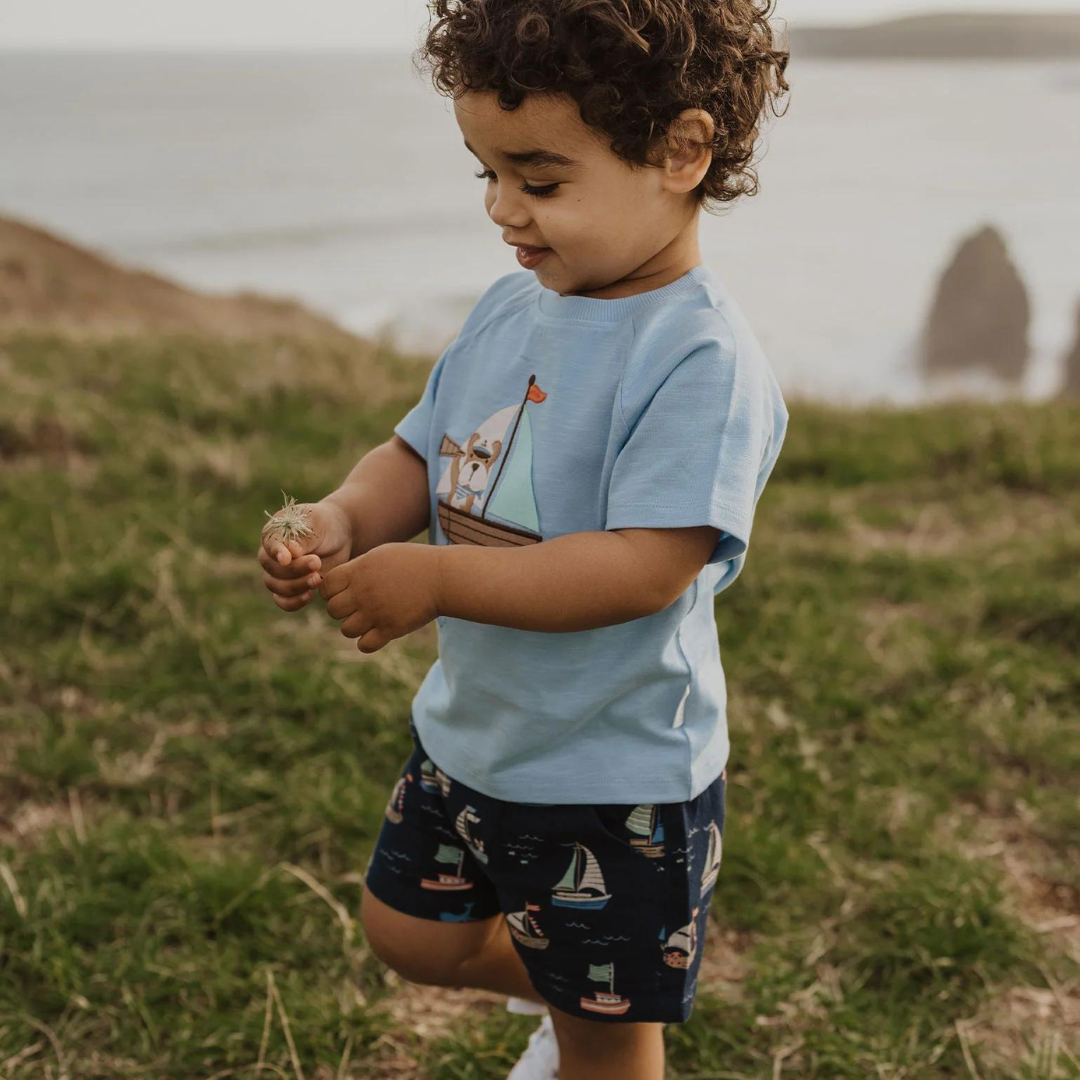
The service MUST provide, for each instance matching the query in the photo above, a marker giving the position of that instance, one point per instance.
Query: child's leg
(497, 966)
(476, 954)
(593, 1050)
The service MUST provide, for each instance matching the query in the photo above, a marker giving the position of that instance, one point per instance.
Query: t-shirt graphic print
(486, 491)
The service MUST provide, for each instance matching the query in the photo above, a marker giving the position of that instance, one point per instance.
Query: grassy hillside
(45, 280)
(191, 780)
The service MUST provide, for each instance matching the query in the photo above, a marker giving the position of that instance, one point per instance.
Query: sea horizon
(270, 170)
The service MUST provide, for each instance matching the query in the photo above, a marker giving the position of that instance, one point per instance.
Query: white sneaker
(525, 1007)
(541, 1058)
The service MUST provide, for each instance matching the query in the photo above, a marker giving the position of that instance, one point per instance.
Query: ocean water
(340, 178)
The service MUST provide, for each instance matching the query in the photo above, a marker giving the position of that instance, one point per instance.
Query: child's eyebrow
(538, 159)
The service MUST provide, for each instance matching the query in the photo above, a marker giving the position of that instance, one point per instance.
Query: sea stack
(981, 314)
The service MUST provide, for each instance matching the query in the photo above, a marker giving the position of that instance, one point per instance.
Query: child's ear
(689, 153)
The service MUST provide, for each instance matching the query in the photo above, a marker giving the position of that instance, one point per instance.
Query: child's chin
(544, 270)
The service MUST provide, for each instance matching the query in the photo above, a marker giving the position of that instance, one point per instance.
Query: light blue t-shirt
(553, 414)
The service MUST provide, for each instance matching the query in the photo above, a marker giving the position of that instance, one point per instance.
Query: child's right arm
(384, 499)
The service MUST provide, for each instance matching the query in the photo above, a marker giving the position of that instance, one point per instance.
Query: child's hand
(383, 594)
(291, 571)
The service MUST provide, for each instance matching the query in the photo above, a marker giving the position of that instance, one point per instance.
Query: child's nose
(505, 209)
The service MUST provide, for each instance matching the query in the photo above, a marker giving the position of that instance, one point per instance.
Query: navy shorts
(607, 904)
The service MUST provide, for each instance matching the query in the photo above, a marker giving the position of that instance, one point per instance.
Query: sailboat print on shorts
(645, 822)
(582, 886)
(524, 928)
(712, 858)
(443, 781)
(428, 780)
(396, 802)
(448, 882)
(492, 510)
(462, 825)
(605, 1001)
(679, 949)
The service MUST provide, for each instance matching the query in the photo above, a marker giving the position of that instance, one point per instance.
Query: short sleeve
(415, 426)
(700, 450)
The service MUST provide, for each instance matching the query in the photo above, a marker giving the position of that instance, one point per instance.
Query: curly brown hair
(631, 65)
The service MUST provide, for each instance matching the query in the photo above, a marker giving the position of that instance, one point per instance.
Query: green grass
(191, 780)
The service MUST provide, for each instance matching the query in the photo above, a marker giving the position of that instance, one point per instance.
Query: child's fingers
(291, 586)
(284, 553)
(293, 603)
(276, 551)
(301, 563)
(296, 568)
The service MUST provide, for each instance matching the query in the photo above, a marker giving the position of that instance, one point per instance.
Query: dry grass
(1024, 1027)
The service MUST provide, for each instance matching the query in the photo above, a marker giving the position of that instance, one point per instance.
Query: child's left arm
(578, 581)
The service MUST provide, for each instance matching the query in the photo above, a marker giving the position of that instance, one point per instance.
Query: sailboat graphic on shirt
(486, 491)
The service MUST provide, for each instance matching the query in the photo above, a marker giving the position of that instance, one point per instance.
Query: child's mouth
(531, 256)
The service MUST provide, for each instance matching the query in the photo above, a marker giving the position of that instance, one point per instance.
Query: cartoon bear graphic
(471, 471)
(486, 489)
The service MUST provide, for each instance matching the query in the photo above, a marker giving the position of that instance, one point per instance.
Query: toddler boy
(587, 456)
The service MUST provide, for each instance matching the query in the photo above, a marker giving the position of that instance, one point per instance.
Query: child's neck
(668, 264)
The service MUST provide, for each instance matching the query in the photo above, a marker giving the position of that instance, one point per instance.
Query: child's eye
(539, 192)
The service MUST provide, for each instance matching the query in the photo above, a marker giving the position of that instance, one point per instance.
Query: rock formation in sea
(46, 280)
(981, 314)
(1070, 388)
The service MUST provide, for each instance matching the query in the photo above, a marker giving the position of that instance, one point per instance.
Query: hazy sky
(351, 23)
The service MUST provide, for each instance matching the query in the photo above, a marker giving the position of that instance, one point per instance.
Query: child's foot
(541, 1058)
(525, 1007)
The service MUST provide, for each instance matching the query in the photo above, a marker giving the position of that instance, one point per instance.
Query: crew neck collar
(593, 309)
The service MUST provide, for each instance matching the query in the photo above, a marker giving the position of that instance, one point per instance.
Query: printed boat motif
(712, 858)
(443, 781)
(524, 928)
(679, 949)
(509, 497)
(582, 886)
(448, 882)
(396, 802)
(605, 1001)
(462, 825)
(428, 780)
(645, 822)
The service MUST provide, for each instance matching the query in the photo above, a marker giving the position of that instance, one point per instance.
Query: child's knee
(419, 950)
(389, 937)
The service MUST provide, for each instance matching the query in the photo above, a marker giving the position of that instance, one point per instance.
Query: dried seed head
(289, 521)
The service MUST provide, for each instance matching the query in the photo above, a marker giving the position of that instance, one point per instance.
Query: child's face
(602, 218)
